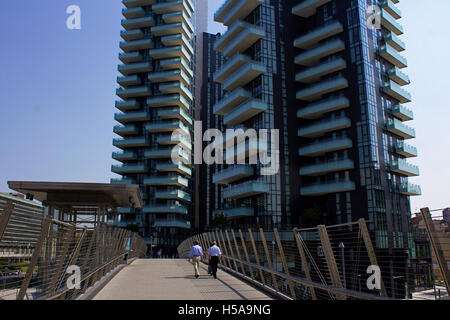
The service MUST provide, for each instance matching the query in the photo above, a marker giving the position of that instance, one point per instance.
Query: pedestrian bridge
(173, 279)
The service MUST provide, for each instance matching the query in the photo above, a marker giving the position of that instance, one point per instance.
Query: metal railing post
(269, 261)
(283, 260)
(238, 253)
(252, 240)
(301, 251)
(244, 246)
(231, 251)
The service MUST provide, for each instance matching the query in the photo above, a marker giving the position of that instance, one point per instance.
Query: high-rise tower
(156, 99)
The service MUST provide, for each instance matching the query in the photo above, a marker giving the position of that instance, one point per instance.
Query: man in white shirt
(214, 258)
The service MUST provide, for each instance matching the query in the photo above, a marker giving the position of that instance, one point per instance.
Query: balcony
(402, 167)
(326, 167)
(239, 212)
(131, 142)
(176, 87)
(410, 189)
(174, 140)
(224, 9)
(125, 130)
(137, 3)
(244, 75)
(401, 112)
(166, 126)
(318, 109)
(174, 6)
(232, 174)
(173, 167)
(177, 209)
(397, 127)
(316, 91)
(175, 113)
(166, 223)
(136, 45)
(394, 41)
(132, 116)
(314, 55)
(176, 63)
(141, 91)
(132, 13)
(129, 81)
(124, 155)
(178, 40)
(240, 10)
(131, 34)
(240, 31)
(143, 22)
(170, 180)
(130, 57)
(123, 181)
(135, 68)
(231, 100)
(320, 148)
(396, 92)
(245, 190)
(390, 54)
(391, 8)
(307, 8)
(168, 101)
(170, 52)
(242, 150)
(327, 187)
(171, 75)
(179, 16)
(231, 66)
(399, 77)
(129, 168)
(173, 195)
(171, 29)
(158, 153)
(127, 105)
(314, 73)
(312, 38)
(319, 128)
(405, 150)
(245, 111)
(389, 23)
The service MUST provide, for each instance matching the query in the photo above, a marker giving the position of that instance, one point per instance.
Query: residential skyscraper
(157, 99)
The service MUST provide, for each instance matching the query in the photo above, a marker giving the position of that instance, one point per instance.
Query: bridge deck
(167, 279)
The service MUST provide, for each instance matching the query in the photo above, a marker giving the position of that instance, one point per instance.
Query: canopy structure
(80, 203)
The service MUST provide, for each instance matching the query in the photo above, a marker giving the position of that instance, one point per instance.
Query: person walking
(196, 255)
(214, 254)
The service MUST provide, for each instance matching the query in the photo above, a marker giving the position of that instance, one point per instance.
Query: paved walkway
(169, 279)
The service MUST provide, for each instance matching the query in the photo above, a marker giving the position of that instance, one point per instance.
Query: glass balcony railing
(127, 105)
(245, 111)
(129, 168)
(169, 180)
(141, 91)
(143, 22)
(313, 56)
(136, 3)
(166, 126)
(319, 148)
(170, 52)
(125, 130)
(397, 127)
(391, 8)
(389, 22)
(135, 45)
(175, 113)
(231, 100)
(232, 174)
(410, 189)
(327, 187)
(124, 155)
(397, 92)
(394, 41)
(178, 209)
(171, 29)
(129, 80)
(240, 10)
(318, 109)
(168, 101)
(326, 167)
(136, 12)
(173, 6)
(135, 68)
(313, 37)
(176, 63)
(123, 181)
(131, 142)
(391, 55)
(401, 166)
(319, 128)
(178, 40)
(406, 150)
(244, 75)
(401, 112)
(314, 73)
(239, 212)
(130, 35)
(317, 90)
(307, 8)
(166, 223)
(173, 167)
(132, 116)
(399, 77)
(246, 189)
(173, 195)
(130, 57)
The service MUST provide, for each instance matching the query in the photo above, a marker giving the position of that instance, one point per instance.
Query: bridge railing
(65, 259)
(321, 263)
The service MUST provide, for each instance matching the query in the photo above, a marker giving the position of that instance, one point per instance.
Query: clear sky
(58, 90)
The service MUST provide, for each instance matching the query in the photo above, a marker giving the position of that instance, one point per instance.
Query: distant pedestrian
(159, 254)
(195, 256)
(214, 254)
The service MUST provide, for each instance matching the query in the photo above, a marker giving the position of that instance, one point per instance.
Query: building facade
(157, 98)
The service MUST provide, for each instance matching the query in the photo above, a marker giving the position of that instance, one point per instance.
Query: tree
(219, 221)
(312, 216)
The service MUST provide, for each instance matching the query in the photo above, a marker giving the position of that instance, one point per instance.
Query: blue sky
(57, 92)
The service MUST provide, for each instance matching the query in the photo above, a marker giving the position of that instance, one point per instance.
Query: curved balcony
(318, 109)
(314, 55)
(319, 128)
(232, 174)
(315, 36)
(320, 148)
